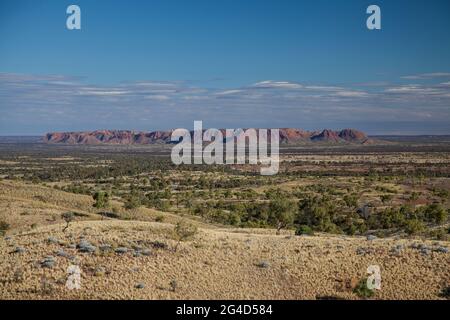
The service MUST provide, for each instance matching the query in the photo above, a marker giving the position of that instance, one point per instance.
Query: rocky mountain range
(287, 136)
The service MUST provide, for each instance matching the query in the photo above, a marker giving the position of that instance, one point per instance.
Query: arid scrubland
(138, 227)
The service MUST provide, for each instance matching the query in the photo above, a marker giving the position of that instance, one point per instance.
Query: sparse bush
(414, 226)
(184, 231)
(173, 285)
(362, 291)
(304, 230)
(414, 196)
(351, 200)
(445, 293)
(159, 245)
(47, 286)
(159, 218)
(19, 275)
(101, 199)
(3, 227)
(68, 217)
(133, 201)
(386, 198)
(436, 214)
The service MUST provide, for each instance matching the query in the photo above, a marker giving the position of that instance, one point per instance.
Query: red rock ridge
(287, 136)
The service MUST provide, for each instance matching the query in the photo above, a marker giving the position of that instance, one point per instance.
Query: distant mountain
(287, 136)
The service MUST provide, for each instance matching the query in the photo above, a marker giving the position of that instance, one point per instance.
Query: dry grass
(219, 263)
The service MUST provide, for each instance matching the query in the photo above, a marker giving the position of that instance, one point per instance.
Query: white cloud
(228, 92)
(158, 97)
(103, 92)
(408, 89)
(427, 76)
(277, 84)
(62, 101)
(352, 94)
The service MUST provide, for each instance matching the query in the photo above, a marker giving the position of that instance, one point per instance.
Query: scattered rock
(136, 247)
(52, 240)
(109, 215)
(121, 250)
(99, 271)
(48, 262)
(397, 250)
(361, 251)
(423, 246)
(140, 286)
(146, 252)
(62, 253)
(441, 250)
(85, 246)
(105, 248)
(18, 250)
(263, 264)
(159, 245)
(136, 253)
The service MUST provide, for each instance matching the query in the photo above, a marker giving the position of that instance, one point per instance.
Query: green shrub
(132, 202)
(3, 227)
(101, 199)
(362, 291)
(351, 201)
(445, 293)
(184, 231)
(436, 214)
(304, 230)
(414, 226)
(281, 212)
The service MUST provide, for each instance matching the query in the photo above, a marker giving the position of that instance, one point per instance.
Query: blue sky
(148, 65)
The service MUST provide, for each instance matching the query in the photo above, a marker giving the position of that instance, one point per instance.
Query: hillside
(133, 256)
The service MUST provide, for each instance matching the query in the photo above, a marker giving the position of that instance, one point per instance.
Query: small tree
(184, 231)
(414, 226)
(134, 200)
(68, 217)
(436, 213)
(101, 199)
(281, 212)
